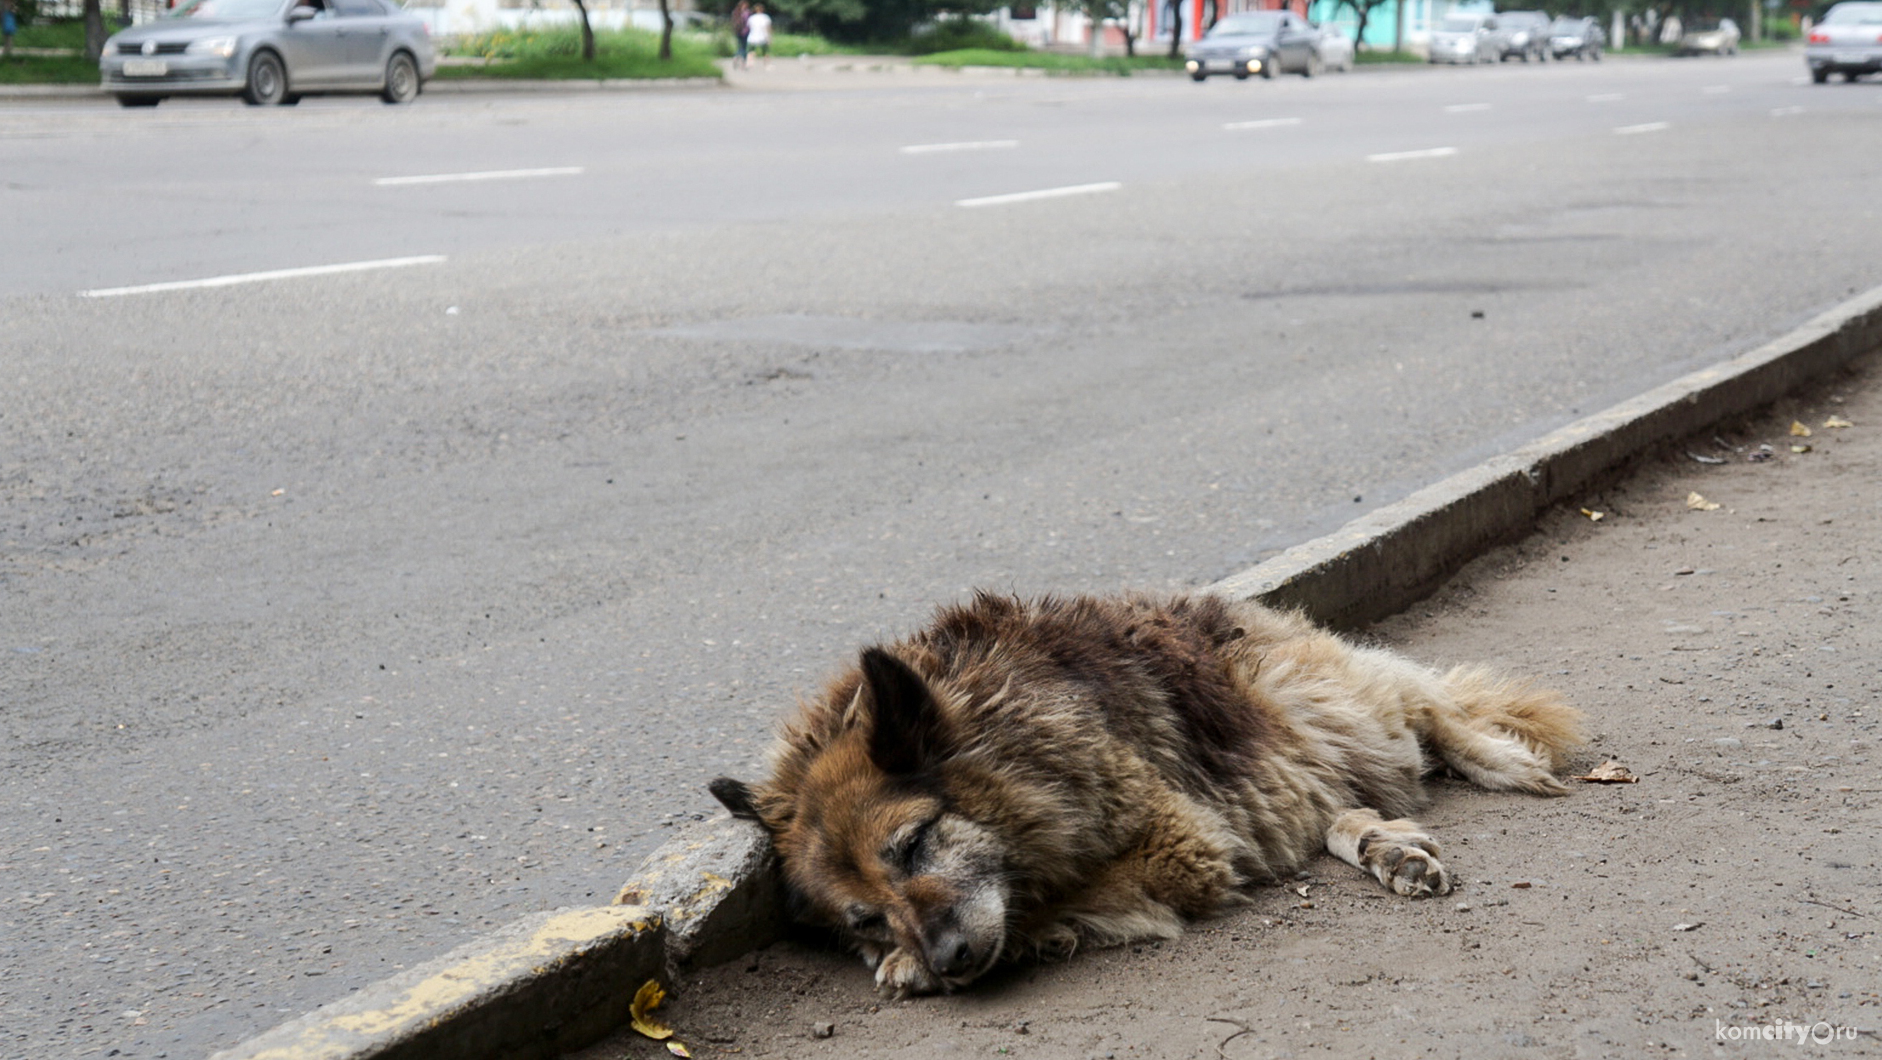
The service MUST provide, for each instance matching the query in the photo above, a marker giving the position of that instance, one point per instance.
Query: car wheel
(401, 79)
(1850, 76)
(1199, 76)
(1268, 68)
(139, 101)
(1241, 75)
(267, 81)
(1820, 76)
(1313, 67)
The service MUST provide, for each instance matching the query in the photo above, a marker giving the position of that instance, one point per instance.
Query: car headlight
(221, 47)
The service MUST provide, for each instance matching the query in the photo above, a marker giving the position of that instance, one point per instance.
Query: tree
(1362, 10)
(588, 32)
(1176, 29)
(666, 32)
(94, 30)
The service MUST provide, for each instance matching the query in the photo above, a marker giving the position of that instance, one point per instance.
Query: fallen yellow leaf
(646, 999)
(1700, 504)
(1594, 516)
(677, 1048)
(1609, 772)
(1798, 430)
(1800, 449)
(1835, 422)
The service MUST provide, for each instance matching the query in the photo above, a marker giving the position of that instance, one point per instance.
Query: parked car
(1721, 39)
(1523, 35)
(270, 51)
(1335, 49)
(1579, 37)
(1464, 38)
(1848, 41)
(1255, 42)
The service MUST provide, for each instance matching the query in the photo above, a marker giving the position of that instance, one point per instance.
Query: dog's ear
(906, 735)
(736, 796)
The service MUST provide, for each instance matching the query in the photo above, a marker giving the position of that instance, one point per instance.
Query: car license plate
(1851, 57)
(145, 68)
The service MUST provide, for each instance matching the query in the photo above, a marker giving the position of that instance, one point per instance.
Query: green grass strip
(48, 70)
(1052, 62)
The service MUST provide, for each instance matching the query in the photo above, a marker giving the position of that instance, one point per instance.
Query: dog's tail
(1502, 733)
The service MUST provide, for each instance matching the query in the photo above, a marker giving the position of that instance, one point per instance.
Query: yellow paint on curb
(437, 996)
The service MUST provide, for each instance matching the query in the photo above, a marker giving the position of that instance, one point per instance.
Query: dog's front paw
(901, 974)
(1404, 859)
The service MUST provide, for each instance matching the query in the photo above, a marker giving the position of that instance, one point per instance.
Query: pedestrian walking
(741, 31)
(760, 33)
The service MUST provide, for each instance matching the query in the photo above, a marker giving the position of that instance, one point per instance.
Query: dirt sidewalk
(1730, 656)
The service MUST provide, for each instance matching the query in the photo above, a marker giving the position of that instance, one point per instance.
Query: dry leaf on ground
(1798, 430)
(1836, 422)
(1700, 504)
(1594, 516)
(646, 999)
(1609, 772)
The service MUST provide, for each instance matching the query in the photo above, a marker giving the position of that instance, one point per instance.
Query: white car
(1719, 40)
(1848, 41)
(1334, 48)
(1464, 39)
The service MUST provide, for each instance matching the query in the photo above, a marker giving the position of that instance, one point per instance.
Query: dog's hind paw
(1398, 853)
(901, 974)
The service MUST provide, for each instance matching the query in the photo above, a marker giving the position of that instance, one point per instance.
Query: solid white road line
(494, 174)
(258, 277)
(970, 145)
(1402, 156)
(1047, 193)
(1644, 127)
(1607, 97)
(1465, 108)
(1261, 123)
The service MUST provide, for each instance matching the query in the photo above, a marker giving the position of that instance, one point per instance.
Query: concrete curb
(1382, 562)
(546, 984)
(559, 980)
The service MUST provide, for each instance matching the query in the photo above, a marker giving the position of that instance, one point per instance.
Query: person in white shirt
(759, 37)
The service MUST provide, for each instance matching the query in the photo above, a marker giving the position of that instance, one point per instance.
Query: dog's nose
(951, 955)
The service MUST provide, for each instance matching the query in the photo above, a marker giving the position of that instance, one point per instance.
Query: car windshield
(1254, 23)
(1566, 26)
(1459, 24)
(1854, 15)
(227, 9)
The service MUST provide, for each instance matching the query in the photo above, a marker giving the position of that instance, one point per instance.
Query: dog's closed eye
(905, 851)
(867, 923)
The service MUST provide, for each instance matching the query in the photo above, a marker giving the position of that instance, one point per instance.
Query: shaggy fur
(1021, 777)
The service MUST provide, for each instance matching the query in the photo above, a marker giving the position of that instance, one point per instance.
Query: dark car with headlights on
(1523, 35)
(1848, 41)
(1256, 42)
(1579, 37)
(270, 51)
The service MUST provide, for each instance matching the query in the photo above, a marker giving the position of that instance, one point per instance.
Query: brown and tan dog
(1022, 777)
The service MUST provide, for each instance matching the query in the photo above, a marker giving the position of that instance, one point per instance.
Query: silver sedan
(270, 51)
(1848, 41)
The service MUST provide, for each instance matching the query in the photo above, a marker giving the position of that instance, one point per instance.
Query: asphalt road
(345, 616)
